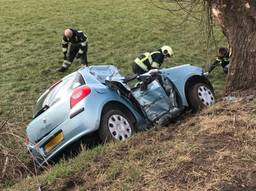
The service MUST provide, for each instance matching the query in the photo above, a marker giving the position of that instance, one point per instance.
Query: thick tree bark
(237, 19)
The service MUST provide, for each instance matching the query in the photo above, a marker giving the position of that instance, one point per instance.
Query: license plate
(55, 140)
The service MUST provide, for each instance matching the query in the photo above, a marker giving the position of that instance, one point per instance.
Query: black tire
(200, 95)
(116, 125)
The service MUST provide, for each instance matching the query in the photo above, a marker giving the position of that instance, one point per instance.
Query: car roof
(99, 73)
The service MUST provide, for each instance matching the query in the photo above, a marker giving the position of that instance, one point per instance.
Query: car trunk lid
(47, 122)
(53, 107)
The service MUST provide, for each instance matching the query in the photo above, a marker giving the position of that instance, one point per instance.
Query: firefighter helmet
(223, 52)
(167, 51)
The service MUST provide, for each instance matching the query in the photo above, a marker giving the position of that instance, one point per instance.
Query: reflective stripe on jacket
(147, 61)
(144, 61)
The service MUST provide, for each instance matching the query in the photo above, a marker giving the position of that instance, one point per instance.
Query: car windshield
(56, 92)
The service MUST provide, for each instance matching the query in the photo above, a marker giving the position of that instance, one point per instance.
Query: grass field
(118, 31)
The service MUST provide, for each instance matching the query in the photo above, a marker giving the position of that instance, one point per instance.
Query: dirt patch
(226, 136)
(66, 184)
(243, 180)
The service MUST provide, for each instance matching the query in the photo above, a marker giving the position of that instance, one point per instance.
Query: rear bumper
(78, 123)
(73, 129)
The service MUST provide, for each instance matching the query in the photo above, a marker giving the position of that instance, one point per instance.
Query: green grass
(118, 31)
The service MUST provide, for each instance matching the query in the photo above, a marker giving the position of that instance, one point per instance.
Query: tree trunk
(237, 19)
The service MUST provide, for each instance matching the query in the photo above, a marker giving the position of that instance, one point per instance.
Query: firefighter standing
(151, 60)
(222, 60)
(74, 44)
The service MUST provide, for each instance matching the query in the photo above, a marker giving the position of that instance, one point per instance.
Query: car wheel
(201, 95)
(115, 125)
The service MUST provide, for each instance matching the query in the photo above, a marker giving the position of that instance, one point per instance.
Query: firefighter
(74, 45)
(222, 60)
(151, 60)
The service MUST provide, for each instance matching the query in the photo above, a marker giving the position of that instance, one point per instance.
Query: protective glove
(206, 73)
(154, 72)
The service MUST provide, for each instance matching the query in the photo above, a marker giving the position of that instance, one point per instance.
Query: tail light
(78, 94)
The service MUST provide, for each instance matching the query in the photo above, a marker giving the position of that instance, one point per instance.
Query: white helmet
(167, 51)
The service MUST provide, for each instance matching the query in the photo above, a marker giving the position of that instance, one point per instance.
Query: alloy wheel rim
(119, 127)
(205, 95)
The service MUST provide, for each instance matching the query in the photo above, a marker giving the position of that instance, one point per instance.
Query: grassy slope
(211, 151)
(118, 31)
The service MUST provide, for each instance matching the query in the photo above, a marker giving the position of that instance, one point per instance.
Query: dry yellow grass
(212, 150)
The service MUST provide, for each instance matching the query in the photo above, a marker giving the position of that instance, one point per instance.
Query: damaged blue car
(99, 99)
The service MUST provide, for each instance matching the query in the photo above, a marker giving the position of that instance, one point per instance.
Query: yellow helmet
(167, 50)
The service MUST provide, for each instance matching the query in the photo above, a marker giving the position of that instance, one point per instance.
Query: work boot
(61, 69)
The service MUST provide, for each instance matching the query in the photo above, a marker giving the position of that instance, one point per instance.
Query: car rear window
(58, 91)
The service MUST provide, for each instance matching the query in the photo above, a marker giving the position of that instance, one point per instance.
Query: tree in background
(237, 19)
